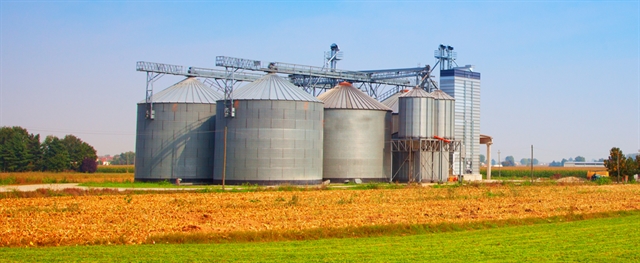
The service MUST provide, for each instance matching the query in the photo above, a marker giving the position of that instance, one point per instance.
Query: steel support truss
(222, 80)
(151, 78)
(408, 150)
(315, 80)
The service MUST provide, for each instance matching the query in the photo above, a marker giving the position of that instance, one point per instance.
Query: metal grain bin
(444, 120)
(178, 142)
(392, 102)
(274, 138)
(415, 116)
(357, 136)
(415, 121)
(444, 114)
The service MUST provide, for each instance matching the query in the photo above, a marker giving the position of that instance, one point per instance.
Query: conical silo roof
(346, 96)
(189, 90)
(272, 87)
(392, 102)
(441, 95)
(417, 93)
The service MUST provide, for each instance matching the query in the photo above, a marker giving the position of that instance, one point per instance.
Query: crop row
(537, 172)
(62, 177)
(115, 169)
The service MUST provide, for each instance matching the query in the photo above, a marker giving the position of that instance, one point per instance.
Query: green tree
(524, 161)
(19, 150)
(124, 158)
(527, 161)
(55, 155)
(580, 159)
(509, 161)
(35, 148)
(616, 160)
(631, 167)
(78, 151)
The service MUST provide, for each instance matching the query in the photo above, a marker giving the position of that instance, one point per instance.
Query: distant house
(584, 164)
(105, 160)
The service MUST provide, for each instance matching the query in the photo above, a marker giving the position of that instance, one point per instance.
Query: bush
(603, 180)
(88, 165)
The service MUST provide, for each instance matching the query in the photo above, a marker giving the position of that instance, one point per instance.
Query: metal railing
(302, 70)
(194, 71)
(160, 68)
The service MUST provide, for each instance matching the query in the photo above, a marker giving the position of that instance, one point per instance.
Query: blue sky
(561, 75)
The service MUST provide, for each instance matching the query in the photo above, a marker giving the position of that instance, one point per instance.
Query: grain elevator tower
(463, 84)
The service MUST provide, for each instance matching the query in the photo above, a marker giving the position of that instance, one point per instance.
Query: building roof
(392, 102)
(417, 93)
(346, 96)
(189, 90)
(441, 95)
(272, 87)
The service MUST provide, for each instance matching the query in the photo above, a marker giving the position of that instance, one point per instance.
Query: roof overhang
(486, 139)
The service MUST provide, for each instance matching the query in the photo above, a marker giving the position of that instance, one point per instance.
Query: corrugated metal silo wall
(271, 142)
(387, 144)
(415, 117)
(356, 145)
(178, 143)
(394, 123)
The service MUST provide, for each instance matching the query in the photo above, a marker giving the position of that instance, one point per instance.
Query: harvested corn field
(136, 219)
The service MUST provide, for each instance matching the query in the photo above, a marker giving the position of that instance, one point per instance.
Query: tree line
(577, 159)
(510, 161)
(21, 151)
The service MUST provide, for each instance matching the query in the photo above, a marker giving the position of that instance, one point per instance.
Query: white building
(583, 164)
(463, 84)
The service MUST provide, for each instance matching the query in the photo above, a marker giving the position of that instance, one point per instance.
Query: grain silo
(444, 114)
(392, 102)
(176, 140)
(444, 121)
(415, 114)
(357, 136)
(275, 136)
(415, 123)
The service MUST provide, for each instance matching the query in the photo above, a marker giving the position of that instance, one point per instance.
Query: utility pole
(618, 161)
(531, 163)
(224, 158)
(499, 165)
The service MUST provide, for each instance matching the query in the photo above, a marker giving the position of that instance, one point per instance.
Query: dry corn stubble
(134, 218)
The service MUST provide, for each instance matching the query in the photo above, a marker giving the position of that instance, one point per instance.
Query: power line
(81, 132)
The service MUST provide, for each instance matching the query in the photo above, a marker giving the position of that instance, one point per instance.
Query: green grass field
(615, 239)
